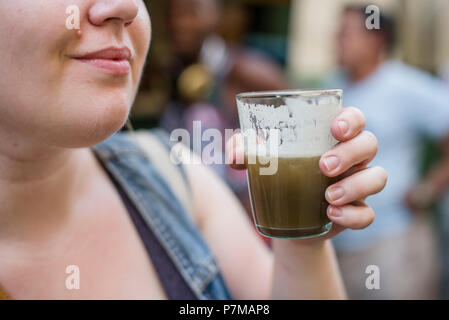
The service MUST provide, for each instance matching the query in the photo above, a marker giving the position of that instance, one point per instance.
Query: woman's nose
(124, 11)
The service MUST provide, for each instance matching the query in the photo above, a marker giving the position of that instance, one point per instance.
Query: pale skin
(58, 207)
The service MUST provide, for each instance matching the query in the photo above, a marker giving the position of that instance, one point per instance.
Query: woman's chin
(93, 132)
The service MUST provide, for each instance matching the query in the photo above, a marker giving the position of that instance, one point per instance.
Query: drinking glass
(285, 134)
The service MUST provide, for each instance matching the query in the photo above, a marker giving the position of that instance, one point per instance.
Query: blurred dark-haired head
(190, 22)
(358, 45)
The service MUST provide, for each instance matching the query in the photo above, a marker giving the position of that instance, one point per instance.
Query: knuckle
(357, 187)
(382, 177)
(370, 216)
(371, 139)
(358, 115)
(364, 218)
(361, 117)
(370, 136)
(351, 110)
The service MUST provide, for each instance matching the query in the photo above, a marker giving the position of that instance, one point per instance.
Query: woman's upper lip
(111, 53)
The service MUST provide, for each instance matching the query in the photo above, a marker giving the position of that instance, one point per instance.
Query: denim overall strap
(164, 215)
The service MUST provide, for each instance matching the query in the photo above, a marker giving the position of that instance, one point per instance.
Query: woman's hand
(348, 161)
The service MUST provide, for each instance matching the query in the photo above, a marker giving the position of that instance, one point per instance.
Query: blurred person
(401, 104)
(444, 73)
(193, 26)
(444, 208)
(76, 192)
(207, 73)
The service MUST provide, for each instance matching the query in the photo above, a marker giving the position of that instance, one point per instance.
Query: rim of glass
(289, 93)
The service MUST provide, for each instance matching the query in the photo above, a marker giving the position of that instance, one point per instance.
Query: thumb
(235, 152)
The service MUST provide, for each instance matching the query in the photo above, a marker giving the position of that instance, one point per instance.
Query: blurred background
(205, 51)
(300, 36)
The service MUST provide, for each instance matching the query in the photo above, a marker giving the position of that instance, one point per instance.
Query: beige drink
(288, 131)
(290, 203)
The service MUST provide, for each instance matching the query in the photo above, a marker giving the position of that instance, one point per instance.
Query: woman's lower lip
(115, 67)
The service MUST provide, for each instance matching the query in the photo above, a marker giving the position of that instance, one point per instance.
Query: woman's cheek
(140, 33)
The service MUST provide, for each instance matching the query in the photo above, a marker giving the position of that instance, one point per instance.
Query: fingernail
(334, 212)
(333, 194)
(344, 127)
(331, 163)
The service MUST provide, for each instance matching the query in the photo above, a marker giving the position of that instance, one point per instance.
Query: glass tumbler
(285, 134)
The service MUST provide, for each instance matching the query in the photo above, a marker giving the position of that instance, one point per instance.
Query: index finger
(348, 124)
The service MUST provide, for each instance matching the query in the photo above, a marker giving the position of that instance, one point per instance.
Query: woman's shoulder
(146, 155)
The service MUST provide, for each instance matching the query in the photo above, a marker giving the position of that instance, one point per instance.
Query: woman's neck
(38, 186)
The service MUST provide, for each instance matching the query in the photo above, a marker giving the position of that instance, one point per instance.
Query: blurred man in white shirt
(402, 105)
